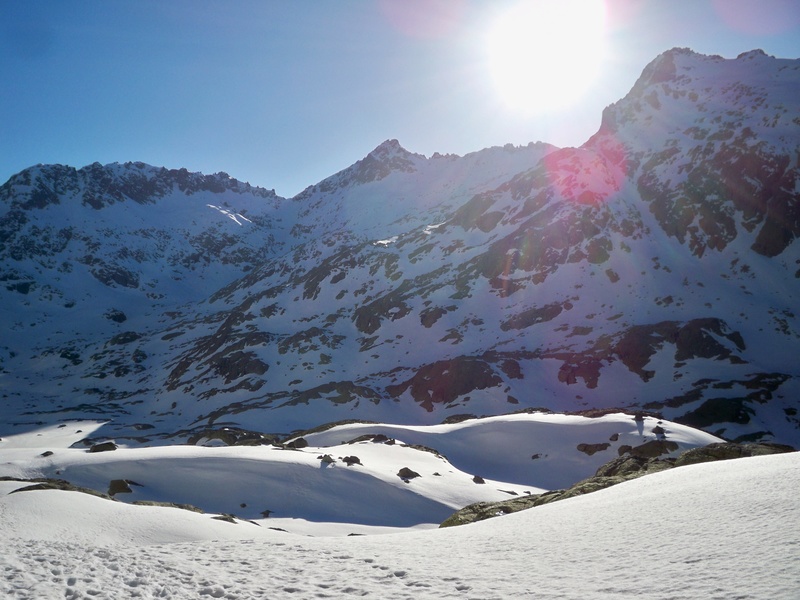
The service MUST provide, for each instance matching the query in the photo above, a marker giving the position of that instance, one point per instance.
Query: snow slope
(306, 488)
(710, 531)
(504, 447)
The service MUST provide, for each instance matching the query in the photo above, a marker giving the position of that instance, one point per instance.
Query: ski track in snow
(712, 531)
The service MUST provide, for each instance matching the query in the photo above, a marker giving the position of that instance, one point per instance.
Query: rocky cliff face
(654, 267)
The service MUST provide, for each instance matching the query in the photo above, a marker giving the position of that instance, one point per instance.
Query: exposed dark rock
(308, 340)
(596, 413)
(118, 486)
(58, 484)
(391, 306)
(103, 447)
(590, 449)
(626, 465)
(121, 486)
(112, 275)
(444, 381)
(125, 337)
(429, 316)
(375, 438)
(652, 449)
(474, 214)
(478, 479)
(297, 443)
(532, 316)
(227, 518)
(635, 346)
(587, 486)
(233, 365)
(330, 425)
(406, 474)
(741, 175)
(729, 450)
(576, 367)
(428, 449)
(452, 419)
(351, 460)
(188, 507)
(486, 510)
(695, 340)
(337, 392)
(717, 410)
(233, 436)
(692, 339)
(116, 315)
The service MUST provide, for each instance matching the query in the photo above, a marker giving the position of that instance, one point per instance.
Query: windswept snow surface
(540, 449)
(715, 530)
(712, 531)
(305, 490)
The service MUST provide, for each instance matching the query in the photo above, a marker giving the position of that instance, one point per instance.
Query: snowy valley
(211, 390)
(711, 530)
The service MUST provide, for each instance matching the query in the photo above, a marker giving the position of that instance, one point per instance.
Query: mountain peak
(682, 88)
(388, 146)
(756, 53)
(387, 157)
(661, 69)
(391, 148)
(669, 65)
(98, 185)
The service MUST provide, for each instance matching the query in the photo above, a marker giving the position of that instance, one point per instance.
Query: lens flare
(426, 19)
(759, 18)
(545, 54)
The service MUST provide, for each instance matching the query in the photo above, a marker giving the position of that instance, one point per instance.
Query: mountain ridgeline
(654, 268)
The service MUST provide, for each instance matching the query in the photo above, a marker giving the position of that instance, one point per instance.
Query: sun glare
(544, 54)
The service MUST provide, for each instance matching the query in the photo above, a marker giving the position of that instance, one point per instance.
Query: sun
(545, 54)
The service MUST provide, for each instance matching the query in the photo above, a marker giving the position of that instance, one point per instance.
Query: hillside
(653, 268)
(715, 530)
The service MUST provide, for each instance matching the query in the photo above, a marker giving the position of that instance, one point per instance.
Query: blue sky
(285, 93)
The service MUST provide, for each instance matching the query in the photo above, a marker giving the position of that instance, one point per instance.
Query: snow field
(715, 530)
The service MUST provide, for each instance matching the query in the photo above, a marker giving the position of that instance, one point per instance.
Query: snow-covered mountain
(654, 268)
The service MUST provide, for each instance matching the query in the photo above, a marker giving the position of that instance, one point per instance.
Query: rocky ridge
(624, 468)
